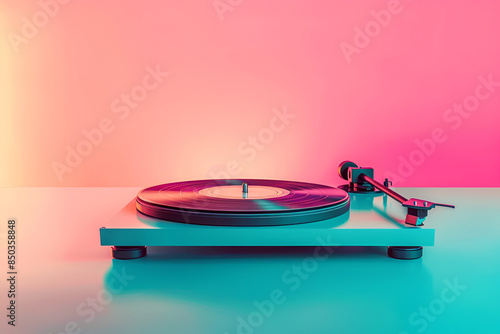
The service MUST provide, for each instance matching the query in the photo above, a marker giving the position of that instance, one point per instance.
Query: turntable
(256, 212)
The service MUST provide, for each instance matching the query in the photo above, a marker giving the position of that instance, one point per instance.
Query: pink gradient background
(227, 76)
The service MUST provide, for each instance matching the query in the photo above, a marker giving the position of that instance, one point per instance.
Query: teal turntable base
(373, 220)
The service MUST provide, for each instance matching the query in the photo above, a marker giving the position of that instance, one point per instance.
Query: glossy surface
(193, 290)
(219, 195)
(222, 202)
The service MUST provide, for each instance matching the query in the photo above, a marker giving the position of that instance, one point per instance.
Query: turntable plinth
(372, 221)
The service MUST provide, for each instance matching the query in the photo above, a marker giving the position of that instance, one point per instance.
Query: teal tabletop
(66, 282)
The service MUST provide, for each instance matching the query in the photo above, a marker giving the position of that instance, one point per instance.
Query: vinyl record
(245, 202)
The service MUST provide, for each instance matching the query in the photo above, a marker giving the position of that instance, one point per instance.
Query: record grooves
(229, 203)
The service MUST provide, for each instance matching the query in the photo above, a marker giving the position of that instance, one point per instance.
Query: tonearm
(361, 180)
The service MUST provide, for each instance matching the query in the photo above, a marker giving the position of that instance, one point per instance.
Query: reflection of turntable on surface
(255, 212)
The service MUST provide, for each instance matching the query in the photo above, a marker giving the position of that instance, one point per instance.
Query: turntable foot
(405, 252)
(128, 252)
